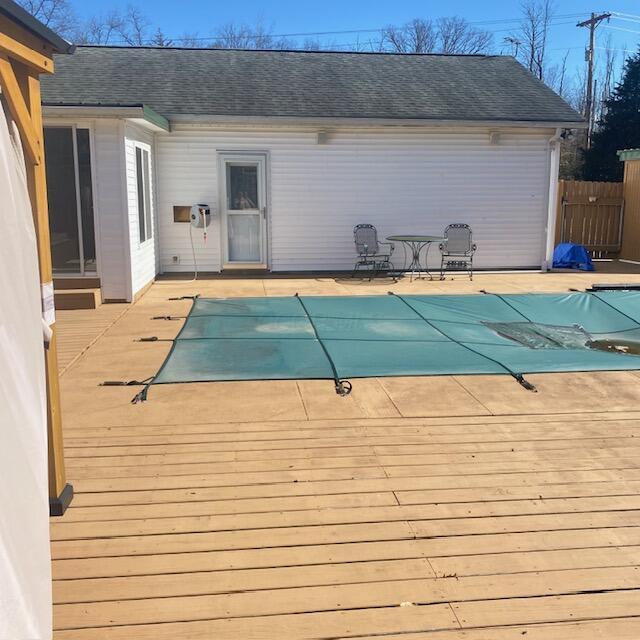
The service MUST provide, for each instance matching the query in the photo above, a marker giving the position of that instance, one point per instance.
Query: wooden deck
(445, 508)
(80, 328)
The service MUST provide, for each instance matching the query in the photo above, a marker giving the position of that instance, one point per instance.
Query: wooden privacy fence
(591, 214)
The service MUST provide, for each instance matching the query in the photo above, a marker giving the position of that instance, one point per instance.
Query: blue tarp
(572, 256)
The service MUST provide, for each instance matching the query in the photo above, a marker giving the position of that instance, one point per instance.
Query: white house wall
(143, 254)
(109, 207)
(402, 182)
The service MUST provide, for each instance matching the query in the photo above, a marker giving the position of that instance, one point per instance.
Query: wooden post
(20, 65)
(60, 493)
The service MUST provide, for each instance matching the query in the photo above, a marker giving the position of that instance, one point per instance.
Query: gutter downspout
(552, 197)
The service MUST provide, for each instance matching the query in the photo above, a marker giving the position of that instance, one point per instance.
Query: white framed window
(143, 182)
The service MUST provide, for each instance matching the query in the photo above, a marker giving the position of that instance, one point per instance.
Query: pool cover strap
(518, 376)
(343, 387)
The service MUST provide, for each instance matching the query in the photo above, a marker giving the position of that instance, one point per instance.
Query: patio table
(414, 244)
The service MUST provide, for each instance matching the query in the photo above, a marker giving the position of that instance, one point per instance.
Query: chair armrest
(388, 244)
(473, 247)
(442, 246)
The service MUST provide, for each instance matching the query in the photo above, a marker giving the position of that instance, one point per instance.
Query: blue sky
(203, 16)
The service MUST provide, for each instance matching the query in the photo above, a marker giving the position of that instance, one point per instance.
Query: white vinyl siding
(400, 181)
(142, 224)
(109, 207)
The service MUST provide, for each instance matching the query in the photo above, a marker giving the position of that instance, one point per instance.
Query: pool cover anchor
(343, 387)
(524, 382)
(141, 396)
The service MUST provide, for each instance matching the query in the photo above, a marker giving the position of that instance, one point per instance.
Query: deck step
(77, 299)
(64, 283)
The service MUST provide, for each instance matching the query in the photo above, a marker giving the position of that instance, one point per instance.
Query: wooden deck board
(350, 518)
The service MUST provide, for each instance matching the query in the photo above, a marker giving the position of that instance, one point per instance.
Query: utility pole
(592, 23)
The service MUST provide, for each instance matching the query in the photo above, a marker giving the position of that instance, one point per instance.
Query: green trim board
(152, 116)
(629, 154)
(343, 337)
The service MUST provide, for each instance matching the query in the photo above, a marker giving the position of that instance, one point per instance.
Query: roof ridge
(300, 51)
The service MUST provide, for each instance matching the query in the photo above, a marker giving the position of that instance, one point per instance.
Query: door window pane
(86, 199)
(61, 194)
(147, 192)
(71, 224)
(140, 187)
(143, 181)
(242, 187)
(244, 237)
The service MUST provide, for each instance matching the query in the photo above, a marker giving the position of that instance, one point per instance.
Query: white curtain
(25, 564)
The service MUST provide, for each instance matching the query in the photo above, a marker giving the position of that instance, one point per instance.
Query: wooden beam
(59, 491)
(11, 47)
(19, 110)
(23, 36)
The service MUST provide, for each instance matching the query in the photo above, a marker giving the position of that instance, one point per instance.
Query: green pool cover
(338, 338)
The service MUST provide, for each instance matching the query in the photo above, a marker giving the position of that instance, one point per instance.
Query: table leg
(416, 267)
(404, 263)
(426, 260)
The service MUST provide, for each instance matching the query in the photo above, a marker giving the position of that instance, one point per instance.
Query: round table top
(404, 238)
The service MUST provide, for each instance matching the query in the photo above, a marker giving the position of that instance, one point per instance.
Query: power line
(275, 36)
(624, 15)
(634, 20)
(608, 26)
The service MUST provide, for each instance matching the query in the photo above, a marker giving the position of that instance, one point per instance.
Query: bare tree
(158, 39)
(243, 36)
(555, 76)
(100, 29)
(56, 14)
(533, 34)
(189, 40)
(417, 36)
(135, 26)
(447, 35)
(456, 35)
(607, 77)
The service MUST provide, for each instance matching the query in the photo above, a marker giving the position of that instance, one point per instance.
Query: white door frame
(260, 159)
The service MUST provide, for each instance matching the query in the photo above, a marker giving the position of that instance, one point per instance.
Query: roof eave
(138, 113)
(182, 118)
(28, 22)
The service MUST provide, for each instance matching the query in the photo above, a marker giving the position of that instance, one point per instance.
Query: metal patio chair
(457, 249)
(371, 252)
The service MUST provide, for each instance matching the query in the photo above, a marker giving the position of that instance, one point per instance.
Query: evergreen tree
(618, 129)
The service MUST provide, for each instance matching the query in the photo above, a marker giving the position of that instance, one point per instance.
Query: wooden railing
(591, 214)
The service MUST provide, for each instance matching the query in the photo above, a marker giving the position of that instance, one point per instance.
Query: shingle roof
(305, 84)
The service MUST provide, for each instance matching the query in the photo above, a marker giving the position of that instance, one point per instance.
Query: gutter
(552, 197)
(213, 119)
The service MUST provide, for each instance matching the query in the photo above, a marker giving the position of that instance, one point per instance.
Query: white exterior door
(244, 210)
